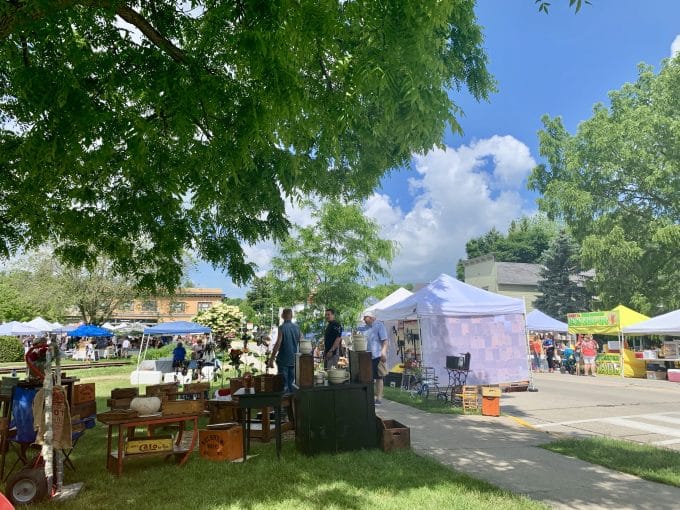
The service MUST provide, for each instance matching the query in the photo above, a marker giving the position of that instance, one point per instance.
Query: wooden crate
(171, 407)
(83, 393)
(361, 367)
(222, 411)
(304, 370)
(84, 410)
(120, 393)
(117, 414)
(221, 442)
(393, 435)
(157, 444)
(196, 387)
(160, 390)
(268, 382)
(118, 403)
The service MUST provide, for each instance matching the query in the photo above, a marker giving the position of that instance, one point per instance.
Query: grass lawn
(648, 462)
(431, 404)
(356, 480)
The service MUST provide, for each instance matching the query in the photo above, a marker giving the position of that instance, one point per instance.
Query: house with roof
(513, 279)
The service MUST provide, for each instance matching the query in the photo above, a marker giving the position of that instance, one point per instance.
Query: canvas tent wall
(540, 322)
(455, 317)
(612, 323)
(667, 324)
(393, 358)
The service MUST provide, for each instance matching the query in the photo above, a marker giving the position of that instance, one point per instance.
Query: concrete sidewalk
(506, 454)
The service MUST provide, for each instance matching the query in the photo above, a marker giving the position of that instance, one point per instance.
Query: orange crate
(221, 443)
(491, 406)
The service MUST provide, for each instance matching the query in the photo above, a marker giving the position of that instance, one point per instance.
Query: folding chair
(21, 434)
(78, 428)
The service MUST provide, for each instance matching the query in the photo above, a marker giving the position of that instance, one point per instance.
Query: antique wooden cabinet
(335, 418)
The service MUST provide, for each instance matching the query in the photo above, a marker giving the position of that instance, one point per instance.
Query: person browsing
(332, 339)
(179, 353)
(376, 336)
(286, 346)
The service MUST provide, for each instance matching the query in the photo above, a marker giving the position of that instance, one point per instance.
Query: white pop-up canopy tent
(456, 317)
(666, 324)
(538, 321)
(42, 325)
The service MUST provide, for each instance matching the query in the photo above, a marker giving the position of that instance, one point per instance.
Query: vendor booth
(664, 362)
(455, 318)
(612, 323)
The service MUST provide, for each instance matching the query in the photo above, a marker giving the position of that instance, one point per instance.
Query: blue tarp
(177, 328)
(89, 330)
(538, 321)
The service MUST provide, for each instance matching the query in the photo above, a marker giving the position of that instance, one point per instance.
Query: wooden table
(248, 399)
(126, 430)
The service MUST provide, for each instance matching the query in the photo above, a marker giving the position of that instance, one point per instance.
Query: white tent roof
(447, 296)
(538, 321)
(15, 328)
(395, 297)
(41, 324)
(666, 324)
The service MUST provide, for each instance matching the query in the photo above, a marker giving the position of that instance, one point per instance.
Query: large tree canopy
(139, 129)
(616, 183)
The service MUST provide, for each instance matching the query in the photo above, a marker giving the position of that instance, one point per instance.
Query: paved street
(632, 409)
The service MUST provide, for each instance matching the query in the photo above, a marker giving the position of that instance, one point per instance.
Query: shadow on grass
(352, 480)
(648, 462)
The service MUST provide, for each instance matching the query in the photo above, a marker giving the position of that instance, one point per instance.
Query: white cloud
(458, 194)
(675, 46)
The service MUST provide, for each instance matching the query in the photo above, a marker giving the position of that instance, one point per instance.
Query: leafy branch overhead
(140, 130)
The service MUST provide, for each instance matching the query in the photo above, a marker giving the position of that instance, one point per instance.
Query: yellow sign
(148, 445)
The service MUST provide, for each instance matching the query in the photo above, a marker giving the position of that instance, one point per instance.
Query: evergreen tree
(562, 284)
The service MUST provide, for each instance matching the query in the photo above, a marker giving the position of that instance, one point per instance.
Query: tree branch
(139, 21)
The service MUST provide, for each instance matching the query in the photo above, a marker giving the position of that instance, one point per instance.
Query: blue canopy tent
(538, 321)
(177, 328)
(169, 328)
(89, 330)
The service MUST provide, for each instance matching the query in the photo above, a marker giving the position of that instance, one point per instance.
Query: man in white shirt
(126, 347)
(376, 336)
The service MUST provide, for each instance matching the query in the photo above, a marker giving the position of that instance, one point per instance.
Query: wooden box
(160, 390)
(118, 403)
(304, 370)
(268, 382)
(85, 409)
(129, 393)
(172, 407)
(222, 411)
(118, 414)
(235, 384)
(83, 393)
(491, 391)
(221, 442)
(197, 387)
(156, 444)
(360, 367)
(393, 435)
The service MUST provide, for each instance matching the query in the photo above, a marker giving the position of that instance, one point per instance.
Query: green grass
(431, 404)
(356, 480)
(648, 462)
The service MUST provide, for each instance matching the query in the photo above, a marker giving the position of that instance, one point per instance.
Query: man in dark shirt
(332, 338)
(178, 355)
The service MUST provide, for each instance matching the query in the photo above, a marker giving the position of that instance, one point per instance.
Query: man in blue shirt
(178, 355)
(285, 348)
(376, 336)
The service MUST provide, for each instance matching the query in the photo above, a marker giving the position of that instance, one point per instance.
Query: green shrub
(163, 352)
(11, 349)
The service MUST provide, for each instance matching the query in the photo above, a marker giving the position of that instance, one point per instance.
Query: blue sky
(560, 64)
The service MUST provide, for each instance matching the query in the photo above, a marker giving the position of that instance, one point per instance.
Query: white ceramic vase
(305, 347)
(359, 342)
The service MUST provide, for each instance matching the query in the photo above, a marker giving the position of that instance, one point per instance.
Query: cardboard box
(657, 375)
(156, 444)
(83, 393)
(221, 442)
(392, 435)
